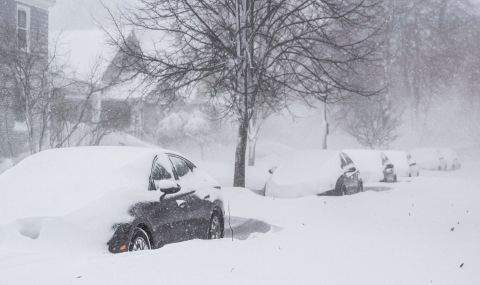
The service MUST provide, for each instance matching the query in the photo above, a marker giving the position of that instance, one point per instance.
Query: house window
(23, 27)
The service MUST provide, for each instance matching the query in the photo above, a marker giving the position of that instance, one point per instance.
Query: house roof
(44, 4)
(89, 54)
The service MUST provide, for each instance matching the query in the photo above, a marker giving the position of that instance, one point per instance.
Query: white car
(451, 158)
(115, 198)
(374, 165)
(314, 172)
(405, 165)
(436, 158)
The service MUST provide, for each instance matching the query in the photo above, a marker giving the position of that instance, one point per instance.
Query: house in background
(128, 102)
(23, 31)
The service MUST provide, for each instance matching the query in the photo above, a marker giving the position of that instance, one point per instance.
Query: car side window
(181, 166)
(343, 163)
(160, 173)
(348, 160)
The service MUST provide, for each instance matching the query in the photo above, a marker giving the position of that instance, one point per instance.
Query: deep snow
(418, 231)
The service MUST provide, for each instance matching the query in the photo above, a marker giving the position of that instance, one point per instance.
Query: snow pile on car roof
(57, 182)
(305, 173)
(369, 162)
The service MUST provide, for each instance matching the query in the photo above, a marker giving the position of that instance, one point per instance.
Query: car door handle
(181, 203)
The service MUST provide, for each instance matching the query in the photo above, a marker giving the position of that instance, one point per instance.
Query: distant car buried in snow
(405, 165)
(127, 198)
(374, 165)
(451, 158)
(314, 172)
(437, 158)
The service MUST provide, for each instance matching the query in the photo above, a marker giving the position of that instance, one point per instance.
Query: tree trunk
(252, 145)
(241, 150)
(325, 127)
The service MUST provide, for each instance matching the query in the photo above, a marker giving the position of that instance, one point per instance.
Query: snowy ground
(418, 231)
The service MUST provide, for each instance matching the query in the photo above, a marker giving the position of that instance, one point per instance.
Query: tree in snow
(373, 122)
(180, 127)
(241, 48)
(424, 42)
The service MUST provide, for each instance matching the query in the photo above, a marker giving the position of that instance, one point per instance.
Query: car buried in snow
(452, 160)
(121, 198)
(405, 165)
(374, 165)
(314, 172)
(437, 158)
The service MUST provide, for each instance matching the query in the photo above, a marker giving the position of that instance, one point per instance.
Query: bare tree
(243, 48)
(373, 122)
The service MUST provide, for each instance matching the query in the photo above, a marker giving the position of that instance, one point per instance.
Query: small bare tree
(373, 122)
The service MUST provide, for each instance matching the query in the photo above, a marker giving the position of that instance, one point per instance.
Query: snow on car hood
(305, 173)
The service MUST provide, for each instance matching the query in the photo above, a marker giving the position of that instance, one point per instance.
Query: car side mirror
(389, 166)
(167, 186)
(272, 170)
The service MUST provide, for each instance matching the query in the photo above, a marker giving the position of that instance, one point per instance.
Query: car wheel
(215, 230)
(395, 179)
(139, 240)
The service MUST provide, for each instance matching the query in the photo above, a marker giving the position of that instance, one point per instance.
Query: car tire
(395, 179)
(140, 240)
(216, 226)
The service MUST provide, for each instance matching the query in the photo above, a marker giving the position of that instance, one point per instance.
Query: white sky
(80, 14)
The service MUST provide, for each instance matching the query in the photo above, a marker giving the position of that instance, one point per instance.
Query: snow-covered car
(405, 165)
(314, 172)
(436, 158)
(429, 158)
(125, 197)
(374, 165)
(451, 159)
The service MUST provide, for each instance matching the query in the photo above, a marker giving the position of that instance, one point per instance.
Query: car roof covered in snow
(56, 182)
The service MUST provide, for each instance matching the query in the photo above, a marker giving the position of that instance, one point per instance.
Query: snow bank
(398, 236)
